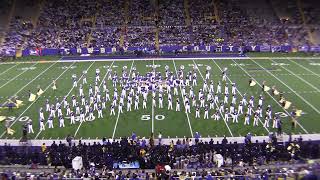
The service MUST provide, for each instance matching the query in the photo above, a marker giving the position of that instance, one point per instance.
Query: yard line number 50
(147, 117)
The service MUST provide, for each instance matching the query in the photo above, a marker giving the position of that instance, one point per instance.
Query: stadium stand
(189, 157)
(135, 23)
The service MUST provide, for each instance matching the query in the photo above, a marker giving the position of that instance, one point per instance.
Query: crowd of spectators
(140, 36)
(202, 12)
(185, 154)
(171, 13)
(174, 35)
(207, 35)
(308, 171)
(110, 13)
(106, 37)
(19, 28)
(311, 9)
(182, 153)
(142, 13)
(106, 23)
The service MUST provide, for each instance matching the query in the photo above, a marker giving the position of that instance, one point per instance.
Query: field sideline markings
(99, 89)
(224, 120)
(271, 97)
(215, 75)
(289, 88)
(241, 95)
(9, 69)
(67, 95)
(32, 104)
(17, 75)
(304, 67)
(61, 60)
(174, 64)
(292, 73)
(116, 124)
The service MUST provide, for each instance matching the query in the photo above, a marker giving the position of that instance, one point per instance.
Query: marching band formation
(214, 100)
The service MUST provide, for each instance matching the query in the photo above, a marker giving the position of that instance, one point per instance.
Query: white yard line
(240, 94)
(224, 120)
(304, 67)
(270, 95)
(99, 88)
(33, 102)
(152, 109)
(17, 76)
(183, 101)
(302, 98)
(292, 73)
(66, 95)
(116, 125)
(9, 69)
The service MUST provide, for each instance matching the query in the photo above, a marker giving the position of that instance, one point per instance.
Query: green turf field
(297, 78)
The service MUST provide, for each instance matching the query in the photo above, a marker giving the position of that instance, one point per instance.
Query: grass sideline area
(298, 79)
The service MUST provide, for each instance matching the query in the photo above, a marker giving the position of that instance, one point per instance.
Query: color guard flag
(19, 103)
(287, 104)
(252, 83)
(54, 87)
(10, 131)
(40, 91)
(2, 118)
(266, 88)
(32, 97)
(298, 113)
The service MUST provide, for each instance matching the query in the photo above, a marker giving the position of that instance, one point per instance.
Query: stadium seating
(75, 24)
(185, 154)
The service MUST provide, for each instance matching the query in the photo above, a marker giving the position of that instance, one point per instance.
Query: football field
(297, 78)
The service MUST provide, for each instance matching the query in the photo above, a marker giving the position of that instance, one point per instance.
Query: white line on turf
(32, 103)
(152, 109)
(17, 75)
(9, 69)
(174, 64)
(99, 88)
(224, 120)
(240, 94)
(115, 126)
(67, 94)
(304, 67)
(314, 108)
(270, 95)
(145, 59)
(216, 75)
(292, 73)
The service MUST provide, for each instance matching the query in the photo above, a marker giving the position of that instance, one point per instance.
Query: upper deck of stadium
(156, 23)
